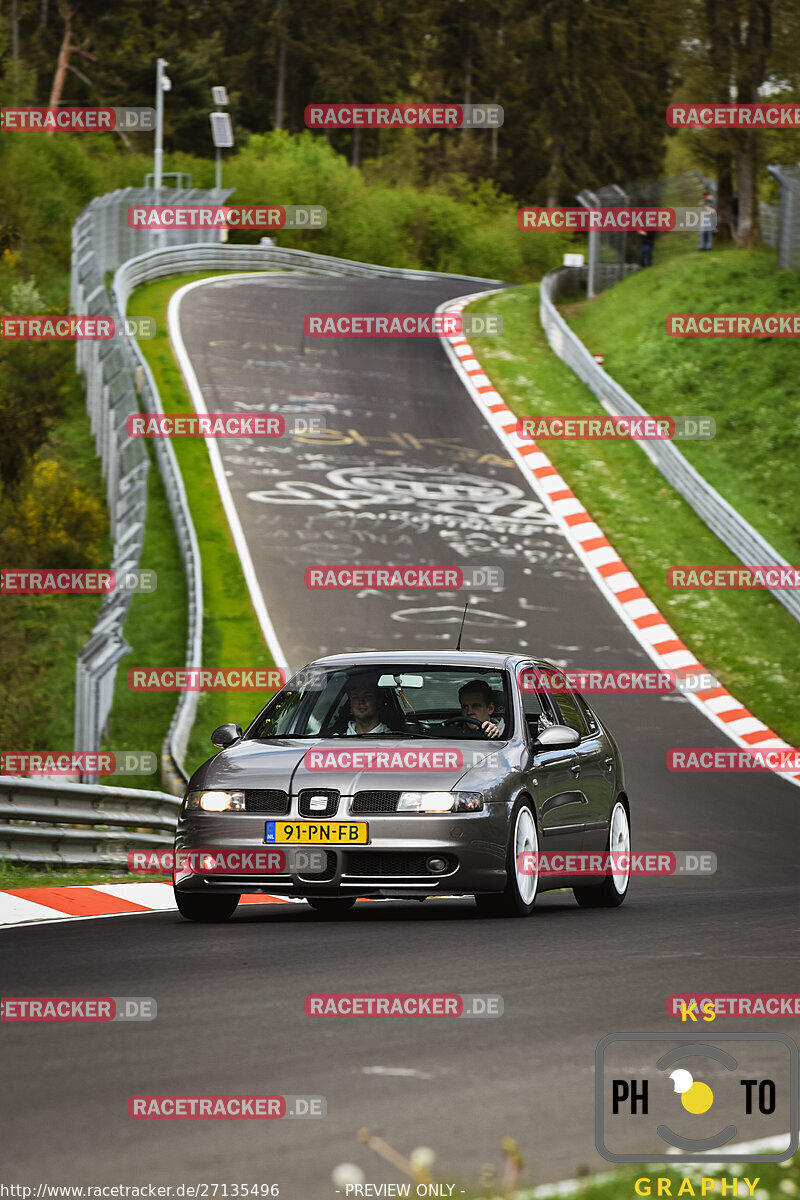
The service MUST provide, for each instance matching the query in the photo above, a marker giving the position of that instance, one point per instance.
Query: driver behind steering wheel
(476, 701)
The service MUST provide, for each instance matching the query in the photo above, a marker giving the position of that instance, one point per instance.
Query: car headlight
(440, 802)
(215, 801)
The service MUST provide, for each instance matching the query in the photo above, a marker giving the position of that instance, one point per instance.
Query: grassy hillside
(747, 638)
(750, 386)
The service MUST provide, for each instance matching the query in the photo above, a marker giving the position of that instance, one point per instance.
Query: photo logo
(695, 1097)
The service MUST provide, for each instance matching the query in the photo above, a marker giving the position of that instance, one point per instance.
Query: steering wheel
(464, 721)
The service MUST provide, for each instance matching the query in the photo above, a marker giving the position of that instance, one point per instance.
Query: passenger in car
(476, 701)
(363, 694)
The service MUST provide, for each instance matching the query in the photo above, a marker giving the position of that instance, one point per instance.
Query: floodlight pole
(158, 153)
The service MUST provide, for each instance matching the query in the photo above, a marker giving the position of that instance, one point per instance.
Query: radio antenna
(461, 630)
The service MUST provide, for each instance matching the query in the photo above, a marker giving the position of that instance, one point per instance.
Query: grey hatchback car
(408, 776)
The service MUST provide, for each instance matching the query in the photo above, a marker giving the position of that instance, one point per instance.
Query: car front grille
(331, 796)
(375, 802)
(329, 871)
(391, 862)
(268, 800)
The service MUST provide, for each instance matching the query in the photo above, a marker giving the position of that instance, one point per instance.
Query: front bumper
(393, 863)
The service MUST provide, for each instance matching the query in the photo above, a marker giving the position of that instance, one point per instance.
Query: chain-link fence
(787, 238)
(613, 254)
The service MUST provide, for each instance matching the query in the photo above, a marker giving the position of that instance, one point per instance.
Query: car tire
(519, 896)
(331, 906)
(207, 910)
(614, 888)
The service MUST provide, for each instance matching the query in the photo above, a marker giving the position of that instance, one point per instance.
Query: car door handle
(608, 763)
(576, 769)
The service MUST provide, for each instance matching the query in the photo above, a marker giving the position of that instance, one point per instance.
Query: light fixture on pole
(221, 132)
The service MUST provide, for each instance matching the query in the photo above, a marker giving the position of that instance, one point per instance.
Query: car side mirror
(557, 737)
(225, 735)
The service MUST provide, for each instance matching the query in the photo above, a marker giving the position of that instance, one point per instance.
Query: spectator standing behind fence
(707, 235)
(646, 244)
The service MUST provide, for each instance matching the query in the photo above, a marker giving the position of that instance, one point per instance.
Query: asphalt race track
(408, 473)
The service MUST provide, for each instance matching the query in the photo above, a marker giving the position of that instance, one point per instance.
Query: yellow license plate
(317, 833)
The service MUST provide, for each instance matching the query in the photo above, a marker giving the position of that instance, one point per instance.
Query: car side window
(588, 716)
(570, 712)
(536, 716)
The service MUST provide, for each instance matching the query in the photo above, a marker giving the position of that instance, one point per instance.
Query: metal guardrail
(721, 518)
(76, 824)
(102, 241)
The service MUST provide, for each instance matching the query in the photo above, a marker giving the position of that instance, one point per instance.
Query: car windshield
(397, 700)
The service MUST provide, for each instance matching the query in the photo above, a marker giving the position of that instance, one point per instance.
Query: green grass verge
(40, 634)
(768, 1181)
(746, 638)
(156, 625)
(750, 386)
(21, 875)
